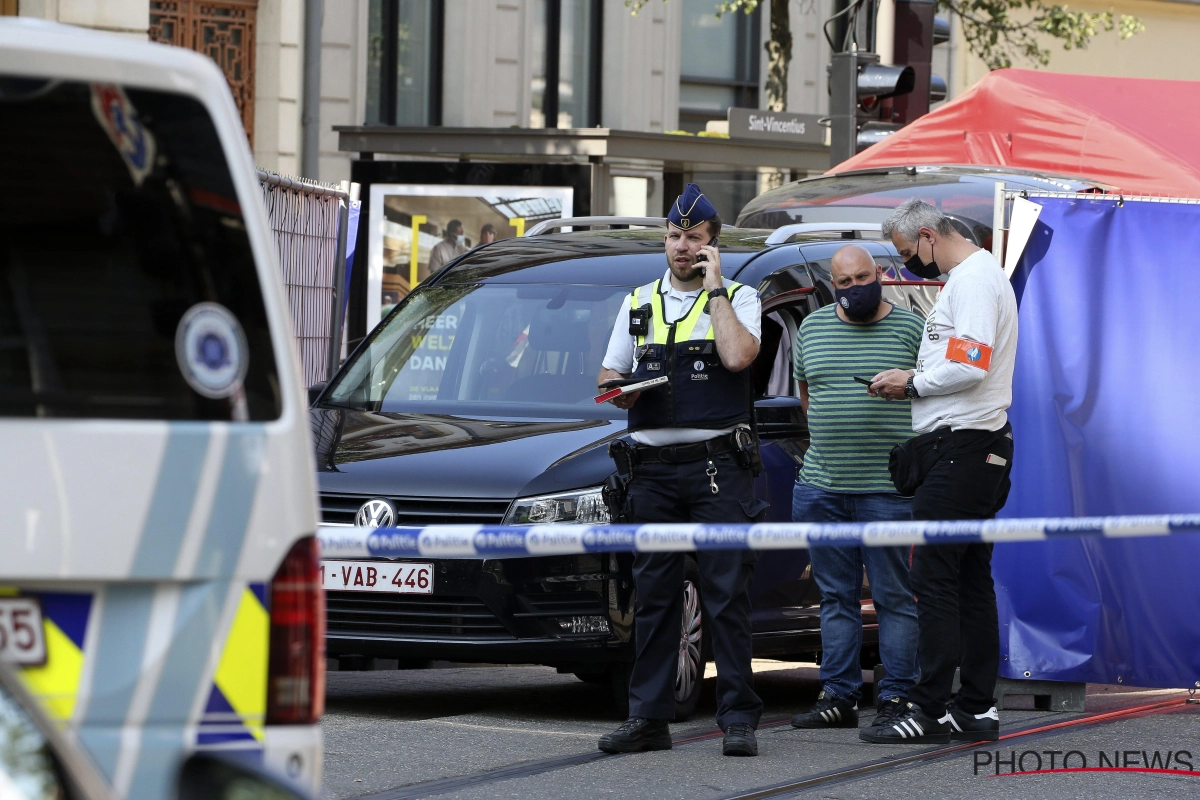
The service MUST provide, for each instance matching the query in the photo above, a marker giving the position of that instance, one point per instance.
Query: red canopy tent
(1127, 132)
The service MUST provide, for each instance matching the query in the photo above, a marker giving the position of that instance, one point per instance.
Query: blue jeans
(838, 572)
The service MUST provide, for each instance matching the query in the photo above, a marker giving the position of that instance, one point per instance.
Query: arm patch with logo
(965, 351)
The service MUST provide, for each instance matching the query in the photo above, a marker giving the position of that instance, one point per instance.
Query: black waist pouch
(910, 462)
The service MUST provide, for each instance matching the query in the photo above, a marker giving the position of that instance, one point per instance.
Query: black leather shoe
(911, 728)
(966, 727)
(739, 740)
(888, 711)
(637, 734)
(829, 712)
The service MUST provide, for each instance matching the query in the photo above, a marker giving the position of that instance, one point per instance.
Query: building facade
(674, 66)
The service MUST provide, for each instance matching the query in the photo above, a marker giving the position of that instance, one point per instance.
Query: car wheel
(689, 673)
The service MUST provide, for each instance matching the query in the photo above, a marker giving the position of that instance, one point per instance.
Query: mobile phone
(702, 257)
(863, 381)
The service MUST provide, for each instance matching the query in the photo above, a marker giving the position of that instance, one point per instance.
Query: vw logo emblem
(376, 513)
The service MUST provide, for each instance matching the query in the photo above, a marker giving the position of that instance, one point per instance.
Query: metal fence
(309, 221)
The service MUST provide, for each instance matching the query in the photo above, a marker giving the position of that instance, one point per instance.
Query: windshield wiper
(342, 406)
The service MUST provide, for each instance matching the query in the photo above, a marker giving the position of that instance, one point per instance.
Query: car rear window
(128, 288)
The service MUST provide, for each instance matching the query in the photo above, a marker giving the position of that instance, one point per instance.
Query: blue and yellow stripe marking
(56, 683)
(237, 703)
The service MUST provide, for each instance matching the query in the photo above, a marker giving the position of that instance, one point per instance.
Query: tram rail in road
(446, 786)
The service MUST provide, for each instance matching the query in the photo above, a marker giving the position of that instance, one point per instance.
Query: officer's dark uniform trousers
(680, 493)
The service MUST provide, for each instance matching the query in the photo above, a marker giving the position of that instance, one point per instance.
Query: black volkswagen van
(472, 402)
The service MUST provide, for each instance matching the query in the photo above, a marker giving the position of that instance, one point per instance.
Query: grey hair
(913, 214)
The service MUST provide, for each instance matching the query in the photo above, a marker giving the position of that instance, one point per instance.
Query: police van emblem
(376, 513)
(698, 366)
(119, 119)
(211, 350)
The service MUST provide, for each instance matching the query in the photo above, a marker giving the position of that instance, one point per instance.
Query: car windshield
(493, 349)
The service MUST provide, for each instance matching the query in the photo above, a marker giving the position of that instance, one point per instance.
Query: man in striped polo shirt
(845, 479)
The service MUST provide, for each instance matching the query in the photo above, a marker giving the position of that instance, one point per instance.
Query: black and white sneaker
(888, 711)
(829, 712)
(911, 728)
(966, 727)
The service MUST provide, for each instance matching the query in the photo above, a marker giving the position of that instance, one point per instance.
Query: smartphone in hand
(700, 259)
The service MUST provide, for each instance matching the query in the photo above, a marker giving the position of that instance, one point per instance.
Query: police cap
(691, 209)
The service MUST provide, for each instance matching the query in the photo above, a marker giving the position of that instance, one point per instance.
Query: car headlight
(580, 506)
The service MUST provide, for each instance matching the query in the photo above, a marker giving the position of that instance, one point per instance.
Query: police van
(158, 588)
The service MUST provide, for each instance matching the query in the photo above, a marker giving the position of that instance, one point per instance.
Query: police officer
(693, 459)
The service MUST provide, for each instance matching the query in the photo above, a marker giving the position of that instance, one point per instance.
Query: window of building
(719, 63)
(566, 63)
(404, 62)
(221, 29)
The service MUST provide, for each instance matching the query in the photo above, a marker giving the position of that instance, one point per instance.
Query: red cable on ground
(1123, 712)
(865, 769)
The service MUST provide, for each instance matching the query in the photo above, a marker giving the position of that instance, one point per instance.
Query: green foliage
(991, 31)
(733, 6)
(726, 7)
(993, 34)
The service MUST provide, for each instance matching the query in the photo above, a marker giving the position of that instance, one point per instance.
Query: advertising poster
(418, 228)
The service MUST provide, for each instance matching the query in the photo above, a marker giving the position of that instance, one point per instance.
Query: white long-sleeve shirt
(977, 304)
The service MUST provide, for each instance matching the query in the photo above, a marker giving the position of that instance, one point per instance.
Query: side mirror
(780, 418)
(314, 392)
(209, 776)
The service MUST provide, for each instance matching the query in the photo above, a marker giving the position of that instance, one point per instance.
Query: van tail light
(296, 672)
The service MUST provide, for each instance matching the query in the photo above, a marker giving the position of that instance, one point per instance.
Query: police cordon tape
(511, 541)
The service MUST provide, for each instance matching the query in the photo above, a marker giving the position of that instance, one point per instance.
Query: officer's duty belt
(684, 453)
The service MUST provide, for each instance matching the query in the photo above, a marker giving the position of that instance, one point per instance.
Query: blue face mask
(861, 301)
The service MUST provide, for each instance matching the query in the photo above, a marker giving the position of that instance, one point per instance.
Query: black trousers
(967, 478)
(680, 493)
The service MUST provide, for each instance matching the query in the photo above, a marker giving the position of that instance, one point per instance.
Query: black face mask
(928, 272)
(860, 302)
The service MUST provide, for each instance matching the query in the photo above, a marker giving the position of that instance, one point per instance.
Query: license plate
(390, 577)
(22, 637)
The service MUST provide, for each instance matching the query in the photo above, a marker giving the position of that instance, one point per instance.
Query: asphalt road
(528, 732)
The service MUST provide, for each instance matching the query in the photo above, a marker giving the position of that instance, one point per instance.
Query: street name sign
(775, 126)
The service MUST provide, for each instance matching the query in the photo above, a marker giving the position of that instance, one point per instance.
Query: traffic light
(941, 30)
(917, 31)
(937, 88)
(857, 84)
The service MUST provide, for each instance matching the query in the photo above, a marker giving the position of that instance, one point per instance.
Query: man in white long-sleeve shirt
(957, 467)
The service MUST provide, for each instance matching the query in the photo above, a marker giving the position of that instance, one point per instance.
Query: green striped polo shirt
(852, 432)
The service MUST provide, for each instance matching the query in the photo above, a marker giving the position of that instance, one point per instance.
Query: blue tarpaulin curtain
(1106, 420)
(351, 246)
